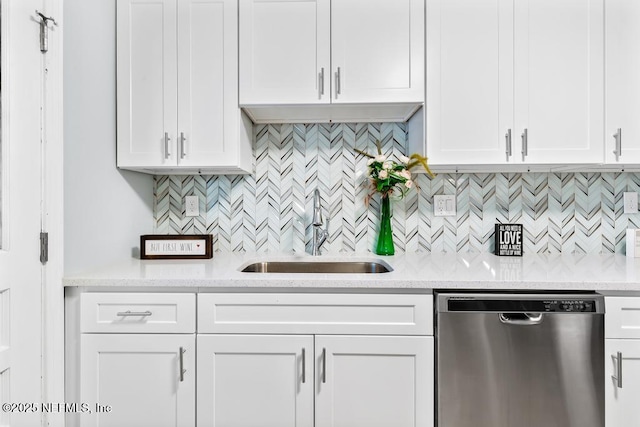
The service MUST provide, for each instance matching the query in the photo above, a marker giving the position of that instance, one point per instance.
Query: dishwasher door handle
(521, 319)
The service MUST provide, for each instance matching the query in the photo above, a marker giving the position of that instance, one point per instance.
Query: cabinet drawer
(377, 314)
(138, 313)
(622, 318)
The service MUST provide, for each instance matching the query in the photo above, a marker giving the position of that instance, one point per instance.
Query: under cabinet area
(515, 82)
(320, 53)
(622, 361)
(255, 359)
(177, 90)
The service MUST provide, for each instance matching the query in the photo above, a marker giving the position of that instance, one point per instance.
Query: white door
(559, 80)
(370, 381)
(255, 381)
(285, 52)
(208, 112)
(147, 76)
(470, 82)
(20, 210)
(377, 51)
(139, 377)
(621, 400)
(622, 68)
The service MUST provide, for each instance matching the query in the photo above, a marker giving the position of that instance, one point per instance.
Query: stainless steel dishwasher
(525, 360)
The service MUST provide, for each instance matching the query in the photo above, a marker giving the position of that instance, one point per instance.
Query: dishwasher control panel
(567, 306)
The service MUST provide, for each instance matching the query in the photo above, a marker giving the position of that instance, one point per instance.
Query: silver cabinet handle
(133, 313)
(304, 366)
(618, 379)
(525, 143)
(183, 151)
(321, 85)
(182, 370)
(338, 88)
(508, 143)
(324, 365)
(167, 153)
(618, 138)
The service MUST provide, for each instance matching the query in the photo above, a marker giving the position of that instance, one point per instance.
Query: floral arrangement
(388, 175)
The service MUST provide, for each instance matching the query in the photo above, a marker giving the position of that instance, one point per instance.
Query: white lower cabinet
(255, 360)
(621, 400)
(255, 380)
(622, 361)
(277, 380)
(139, 377)
(374, 381)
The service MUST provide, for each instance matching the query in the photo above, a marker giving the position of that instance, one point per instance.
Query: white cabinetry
(514, 82)
(622, 68)
(351, 380)
(255, 380)
(177, 88)
(321, 53)
(145, 376)
(622, 361)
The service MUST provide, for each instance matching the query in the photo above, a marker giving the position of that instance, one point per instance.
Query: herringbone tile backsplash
(270, 211)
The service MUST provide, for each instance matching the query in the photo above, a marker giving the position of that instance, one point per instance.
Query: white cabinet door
(255, 380)
(284, 52)
(469, 104)
(147, 74)
(138, 375)
(207, 83)
(622, 68)
(377, 51)
(559, 80)
(374, 381)
(621, 403)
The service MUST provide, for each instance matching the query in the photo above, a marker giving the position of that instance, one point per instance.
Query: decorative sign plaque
(508, 239)
(161, 246)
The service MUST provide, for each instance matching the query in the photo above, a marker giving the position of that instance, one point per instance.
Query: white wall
(106, 210)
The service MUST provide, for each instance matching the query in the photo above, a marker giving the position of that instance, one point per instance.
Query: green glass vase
(385, 236)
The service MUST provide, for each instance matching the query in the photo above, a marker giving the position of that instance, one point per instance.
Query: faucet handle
(317, 208)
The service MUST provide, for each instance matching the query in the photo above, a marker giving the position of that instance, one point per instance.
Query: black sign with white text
(508, 239)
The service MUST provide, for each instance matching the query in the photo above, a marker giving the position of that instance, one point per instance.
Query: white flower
(380, 158)
(370, 162)
(404, 159)
(383, 174)
(406, 174)
(408, 184)
(387, 165)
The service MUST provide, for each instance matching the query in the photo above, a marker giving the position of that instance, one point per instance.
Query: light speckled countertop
(607, 273)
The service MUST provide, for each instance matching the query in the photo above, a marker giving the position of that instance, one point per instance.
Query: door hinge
(44, 248)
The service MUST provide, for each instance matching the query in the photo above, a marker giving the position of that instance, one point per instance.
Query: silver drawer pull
(618, 138)
(182, 370)
(167, 153)
(324, 365)
(618, 378)
(304, 366)
(133, 313)
(507, 136)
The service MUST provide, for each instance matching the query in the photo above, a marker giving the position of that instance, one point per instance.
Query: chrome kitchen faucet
(319, 235)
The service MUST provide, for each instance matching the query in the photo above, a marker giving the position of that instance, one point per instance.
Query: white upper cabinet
(469, 81)
(320, 54)
(377, 51)
(515, 82)
(284, 51)
(559, 80)
(622, 71)
(177, 88)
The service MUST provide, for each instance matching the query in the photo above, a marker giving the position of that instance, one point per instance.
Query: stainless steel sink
(317, 267)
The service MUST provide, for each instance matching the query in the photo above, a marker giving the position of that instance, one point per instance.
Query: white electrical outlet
(192, 206)
(630, 202)
(444, 205)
